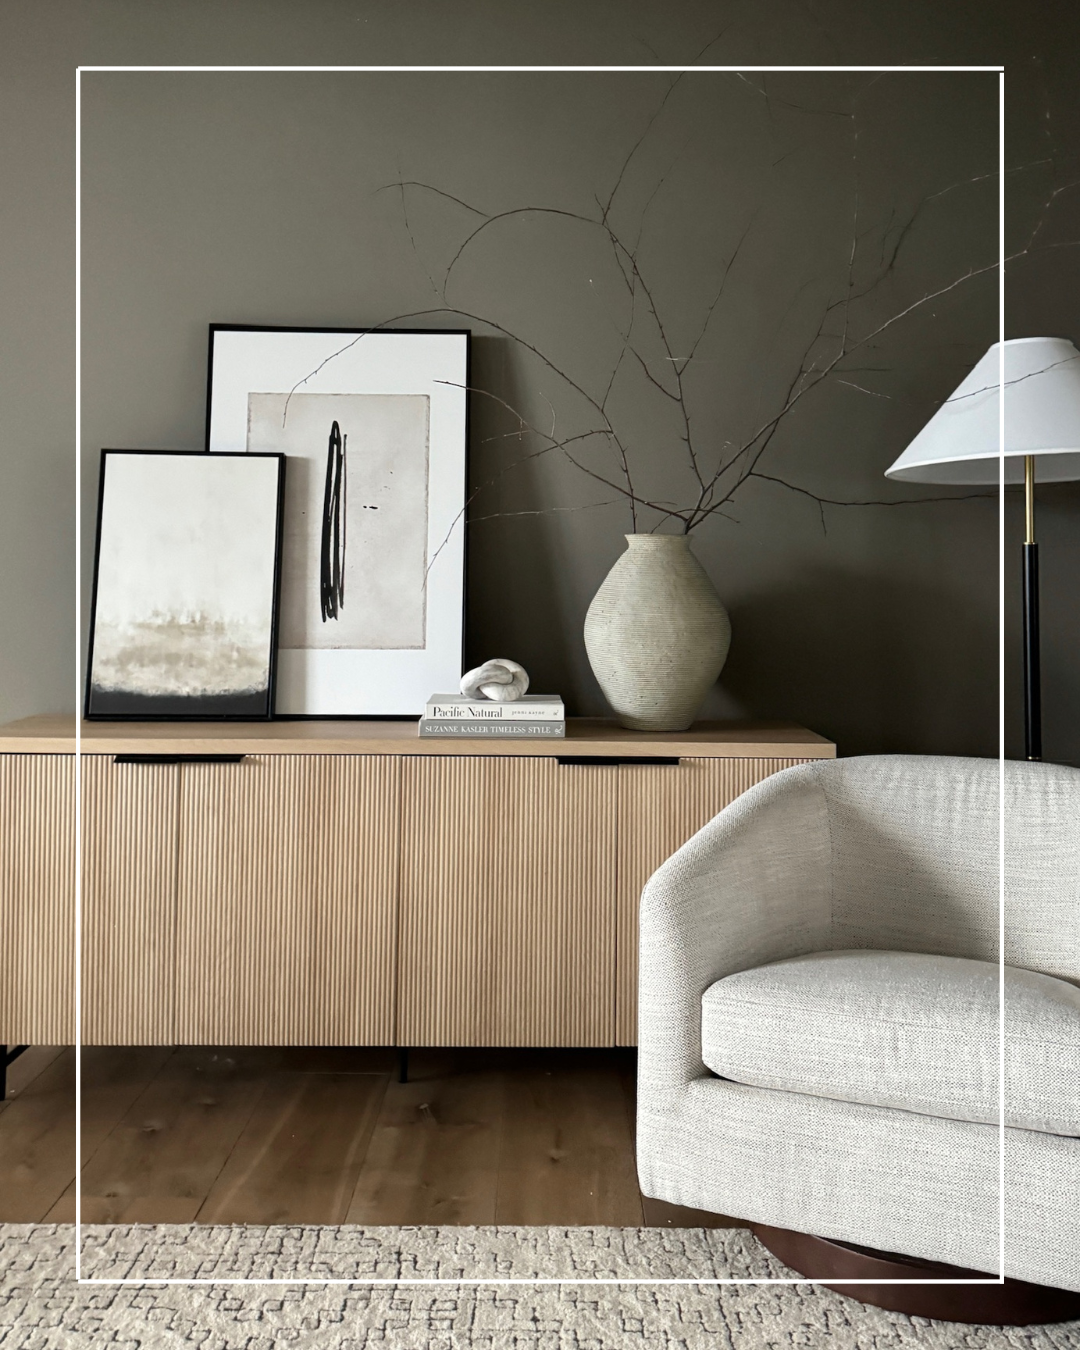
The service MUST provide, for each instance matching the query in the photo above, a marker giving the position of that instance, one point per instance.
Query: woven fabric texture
(41, 1307)
(896, 853)
(902, 1029)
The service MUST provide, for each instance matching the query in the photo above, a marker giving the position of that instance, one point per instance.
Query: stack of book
(455, 715)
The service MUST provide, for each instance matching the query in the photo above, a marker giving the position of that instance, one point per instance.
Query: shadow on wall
(512, 573)
(861, 660)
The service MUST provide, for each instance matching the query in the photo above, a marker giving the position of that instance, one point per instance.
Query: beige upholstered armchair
(818, 1026)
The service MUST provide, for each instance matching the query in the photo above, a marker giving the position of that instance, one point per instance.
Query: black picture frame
(416, 698)
(104, 705)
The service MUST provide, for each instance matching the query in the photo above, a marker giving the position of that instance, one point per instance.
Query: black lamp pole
(1032, 692)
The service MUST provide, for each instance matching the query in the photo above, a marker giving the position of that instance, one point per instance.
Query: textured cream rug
(41, 1307)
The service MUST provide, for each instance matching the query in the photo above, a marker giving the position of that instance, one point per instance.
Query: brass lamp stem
(1029, 499)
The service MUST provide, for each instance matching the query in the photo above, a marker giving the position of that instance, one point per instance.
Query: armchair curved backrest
(914, 845)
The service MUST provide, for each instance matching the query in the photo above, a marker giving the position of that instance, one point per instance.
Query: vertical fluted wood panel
(37, 899)
(287, 901)
(507, 903)
(129, 854)
(659, 809)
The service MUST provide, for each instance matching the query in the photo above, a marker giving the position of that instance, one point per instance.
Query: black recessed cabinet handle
(610, 761)
(179, 759)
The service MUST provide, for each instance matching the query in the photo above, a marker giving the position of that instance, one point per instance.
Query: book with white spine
(456, 726)
(529, 708)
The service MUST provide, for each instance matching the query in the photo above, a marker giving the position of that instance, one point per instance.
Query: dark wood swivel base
(1012, 1304)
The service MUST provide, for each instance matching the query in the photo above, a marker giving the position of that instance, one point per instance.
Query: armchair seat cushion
(902, 1030)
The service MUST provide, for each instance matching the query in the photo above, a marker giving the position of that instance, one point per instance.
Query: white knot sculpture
(502, 681)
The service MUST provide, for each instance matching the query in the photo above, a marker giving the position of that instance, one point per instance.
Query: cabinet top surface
(584, 736)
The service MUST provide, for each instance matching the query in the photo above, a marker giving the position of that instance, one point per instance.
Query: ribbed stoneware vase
(656, 634)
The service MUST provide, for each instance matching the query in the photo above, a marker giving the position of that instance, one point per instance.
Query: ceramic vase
(656, 634)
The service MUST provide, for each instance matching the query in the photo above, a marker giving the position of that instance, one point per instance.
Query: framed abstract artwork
(186, 574)
(373, 425)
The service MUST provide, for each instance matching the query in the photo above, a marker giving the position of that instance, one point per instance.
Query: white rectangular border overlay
(372, 683)
(77, 936)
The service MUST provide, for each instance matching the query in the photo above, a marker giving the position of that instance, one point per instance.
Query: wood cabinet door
(287, 901)
(129, 853)
(507, 902)
(660, 807)
(37, 899)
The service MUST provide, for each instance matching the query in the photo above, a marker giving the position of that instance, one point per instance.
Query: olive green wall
(262, 198)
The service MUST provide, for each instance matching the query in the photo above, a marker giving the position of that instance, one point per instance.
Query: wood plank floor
(325, 1135)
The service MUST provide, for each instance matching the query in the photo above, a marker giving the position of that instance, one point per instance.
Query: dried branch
(795, 393)
(822, 502)
(539, 511)
(606, 209)
(1018, 379)
(720, 293)
(1044, 215)
(427, 187)
(862, 388)
(676, 364)
(630, 270)
(416, 251)
(826, 354)
(506, 215)
(667, 393)
(553, 444)
(786, 103)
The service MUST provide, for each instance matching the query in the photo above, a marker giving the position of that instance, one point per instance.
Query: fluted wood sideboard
(345, 883)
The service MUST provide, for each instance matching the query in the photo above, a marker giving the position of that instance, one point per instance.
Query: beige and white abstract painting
(355, 539)
(185, 584)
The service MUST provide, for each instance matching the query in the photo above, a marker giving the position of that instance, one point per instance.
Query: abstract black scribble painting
(185, 585)
(373, 424)
(358, 472)
(332, 574)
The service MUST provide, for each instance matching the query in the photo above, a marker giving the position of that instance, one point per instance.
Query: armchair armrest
(753, 886)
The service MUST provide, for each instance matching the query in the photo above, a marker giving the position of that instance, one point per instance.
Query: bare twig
(1018, 379)
(539, 511)
(862, 388)
(438, 192)
(507, 215)
(759, 442)
(826, 354)
(822, 502)
(786, 103)
(552, 445)
(606, 208)
(415, 249)
(720, 292)
(667, 393)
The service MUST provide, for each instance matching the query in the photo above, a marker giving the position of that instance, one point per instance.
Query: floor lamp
(960, 446)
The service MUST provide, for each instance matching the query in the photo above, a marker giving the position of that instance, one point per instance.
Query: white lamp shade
(960, 443)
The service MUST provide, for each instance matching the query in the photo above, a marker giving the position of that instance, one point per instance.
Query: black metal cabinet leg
(7, 1057)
